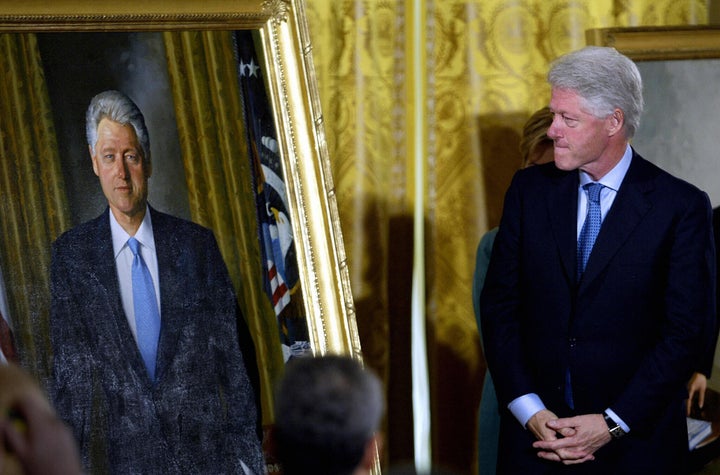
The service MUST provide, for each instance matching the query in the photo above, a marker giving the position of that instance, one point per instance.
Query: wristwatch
(613, 427)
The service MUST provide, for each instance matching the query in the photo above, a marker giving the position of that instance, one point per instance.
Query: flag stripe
(7, 344)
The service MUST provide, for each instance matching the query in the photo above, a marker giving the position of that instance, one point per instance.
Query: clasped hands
(570, 440)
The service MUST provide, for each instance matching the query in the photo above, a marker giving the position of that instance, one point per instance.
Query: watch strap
(613, 427)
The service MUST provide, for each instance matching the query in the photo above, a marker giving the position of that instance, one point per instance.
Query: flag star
(243, 66)
(253, 68)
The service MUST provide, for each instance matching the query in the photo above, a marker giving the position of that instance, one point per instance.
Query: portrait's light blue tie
(147, 314)
(591, 227)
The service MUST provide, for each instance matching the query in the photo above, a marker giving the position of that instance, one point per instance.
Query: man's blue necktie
(590, 228)
(147, 315)
(588, 234)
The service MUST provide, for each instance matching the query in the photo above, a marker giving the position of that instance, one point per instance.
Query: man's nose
(121, 167)
(552, 131)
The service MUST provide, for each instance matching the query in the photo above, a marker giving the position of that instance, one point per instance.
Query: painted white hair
(118, 107)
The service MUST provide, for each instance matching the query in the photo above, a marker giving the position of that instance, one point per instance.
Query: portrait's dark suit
(631, 331)
(200, 415)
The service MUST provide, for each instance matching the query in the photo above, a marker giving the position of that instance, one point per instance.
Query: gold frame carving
(659, 43)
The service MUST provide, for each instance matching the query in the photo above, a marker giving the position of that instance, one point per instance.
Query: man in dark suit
(590, 356)
(698, 385)
(159, 388)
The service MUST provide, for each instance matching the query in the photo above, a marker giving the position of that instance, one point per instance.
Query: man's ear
(147, 167)
(373, 449)
(616, 121)
(94, 162)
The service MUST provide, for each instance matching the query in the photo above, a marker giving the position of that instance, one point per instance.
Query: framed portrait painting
(229, 94)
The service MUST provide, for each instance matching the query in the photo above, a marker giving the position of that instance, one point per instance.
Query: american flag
(276, 238)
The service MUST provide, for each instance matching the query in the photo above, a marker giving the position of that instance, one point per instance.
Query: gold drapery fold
(486, 65)
(33, 205)
(359, 56)
(203, 75)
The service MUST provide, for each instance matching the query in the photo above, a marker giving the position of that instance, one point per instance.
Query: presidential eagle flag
(280, 277)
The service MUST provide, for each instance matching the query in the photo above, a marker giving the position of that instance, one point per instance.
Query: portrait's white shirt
(123, 263)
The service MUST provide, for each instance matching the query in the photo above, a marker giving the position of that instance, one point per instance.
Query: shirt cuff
(526, 406)
(617, 419)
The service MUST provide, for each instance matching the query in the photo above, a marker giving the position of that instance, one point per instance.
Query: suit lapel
(167, 256)
(630, 206)
(562, 209)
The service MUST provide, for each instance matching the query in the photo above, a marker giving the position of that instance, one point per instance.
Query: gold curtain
(203, 74)
(33, 205)
(486, 62)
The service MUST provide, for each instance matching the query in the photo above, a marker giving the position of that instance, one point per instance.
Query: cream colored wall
(680, 127)
(680, 130)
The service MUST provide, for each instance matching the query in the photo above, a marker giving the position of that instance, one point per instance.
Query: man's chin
(129, 210)
(564, 164)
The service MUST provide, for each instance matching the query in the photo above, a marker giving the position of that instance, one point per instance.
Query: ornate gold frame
(294, 96)
(659, 43)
